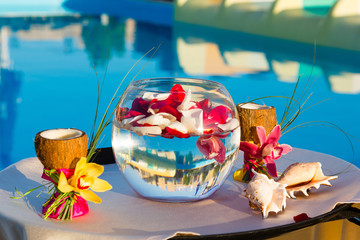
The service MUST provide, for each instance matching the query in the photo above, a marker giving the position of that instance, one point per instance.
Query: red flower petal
(171, 110)
(301, 217)
(139, 107)
(173, 132)
(205, 106)
(219, 114)
(177, 94)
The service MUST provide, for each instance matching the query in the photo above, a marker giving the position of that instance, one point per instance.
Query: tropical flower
(267, 152)
(85, 178)
(212, 147)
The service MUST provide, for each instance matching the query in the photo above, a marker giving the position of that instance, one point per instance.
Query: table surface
(124, 214)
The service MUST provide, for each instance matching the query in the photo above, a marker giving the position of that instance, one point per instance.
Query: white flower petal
(153, 130)
(193, 120)
(230, 125)
(178, 126)
(186, 103)
(156, 120)
(125, 123)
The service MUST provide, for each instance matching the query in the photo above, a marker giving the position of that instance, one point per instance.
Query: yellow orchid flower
(85, 178)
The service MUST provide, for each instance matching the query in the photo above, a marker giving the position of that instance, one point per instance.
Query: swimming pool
(48, 79)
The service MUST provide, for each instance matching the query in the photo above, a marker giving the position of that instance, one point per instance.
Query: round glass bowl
(175, 139)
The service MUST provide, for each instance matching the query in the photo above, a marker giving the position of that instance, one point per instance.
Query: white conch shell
(266, 194)
(303, 176)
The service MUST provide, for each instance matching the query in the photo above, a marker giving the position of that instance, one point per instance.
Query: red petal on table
(176, 133)
(212, 147)
(219, 114)
(171, 110)
(301, 217)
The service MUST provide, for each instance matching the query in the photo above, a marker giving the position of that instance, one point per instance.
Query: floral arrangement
(72, 189)
(266, 152)
(174, 114)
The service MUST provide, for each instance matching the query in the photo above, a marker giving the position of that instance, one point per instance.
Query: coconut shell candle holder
(61, 148)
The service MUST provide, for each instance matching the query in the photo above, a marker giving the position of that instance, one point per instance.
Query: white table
(125, 215)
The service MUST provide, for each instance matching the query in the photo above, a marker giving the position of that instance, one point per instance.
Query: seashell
(303, 176)
(266, 194)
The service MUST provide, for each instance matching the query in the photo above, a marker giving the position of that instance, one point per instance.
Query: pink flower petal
(249, 148)
(271, 167)
(261, 134)
(286, 148)
(274, 135)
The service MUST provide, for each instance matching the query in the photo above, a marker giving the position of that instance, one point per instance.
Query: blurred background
(49, 51)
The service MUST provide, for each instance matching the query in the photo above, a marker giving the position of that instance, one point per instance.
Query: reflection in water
(10, 82)
(345, 83)
(98, 35)
(186, 50)
(171, 168)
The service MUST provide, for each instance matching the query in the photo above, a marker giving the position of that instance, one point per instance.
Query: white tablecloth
(125, 215)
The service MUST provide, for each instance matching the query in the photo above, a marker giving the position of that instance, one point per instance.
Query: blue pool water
(48, 79)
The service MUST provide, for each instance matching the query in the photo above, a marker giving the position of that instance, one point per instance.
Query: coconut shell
(61, 153)
(251, 118)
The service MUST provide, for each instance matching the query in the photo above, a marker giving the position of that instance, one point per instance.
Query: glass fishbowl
(175, 139)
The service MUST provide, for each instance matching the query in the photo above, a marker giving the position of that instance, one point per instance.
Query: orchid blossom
(85, 178)
(267, 152)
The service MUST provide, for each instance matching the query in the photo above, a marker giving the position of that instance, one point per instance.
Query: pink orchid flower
(269, 149)
(212, 147)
